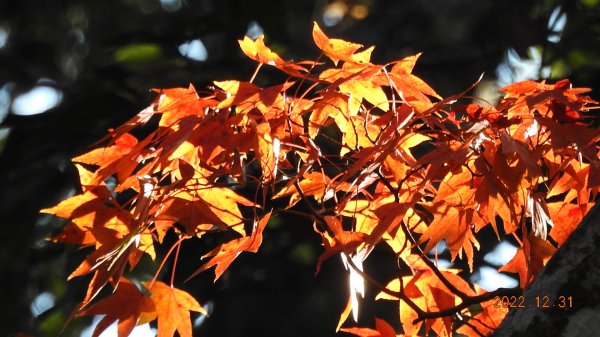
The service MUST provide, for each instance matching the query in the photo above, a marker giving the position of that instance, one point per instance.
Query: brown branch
(387, 184)
(474, 328)
(409, 235)
(423, 315)
(318, 217)
(471, 300)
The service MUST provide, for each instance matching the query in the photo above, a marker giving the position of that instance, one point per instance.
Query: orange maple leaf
(454, 226)
(382, 329)
(484, 322)
(258, 51)
(103, 156)
(529, 259)
(178, 103)
(125, 305)
(341, 242)
(566, 218)
(223, 256)
(172, 308)
(337, 49)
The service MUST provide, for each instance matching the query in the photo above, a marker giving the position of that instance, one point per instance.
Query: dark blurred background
(71, 69)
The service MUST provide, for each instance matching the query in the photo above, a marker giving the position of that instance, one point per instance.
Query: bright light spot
(5, 100)
(500, 256)
(208, 306)
(443, 264)
(334, 13)
(254, 30)
(356, 282)
(37, 100)
(554, 38)
(276, 148)
(171, 5)
(556, 24)
(546, 71)
(489, 279)
(41, 303)
(143, 330)
(515, 69)
(194, 50)
(440, 248)
(3, 37)
(532, 130)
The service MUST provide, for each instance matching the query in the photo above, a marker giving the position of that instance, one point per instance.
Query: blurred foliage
(104, 56)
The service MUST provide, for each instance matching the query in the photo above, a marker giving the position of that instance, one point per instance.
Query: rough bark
(573, 271)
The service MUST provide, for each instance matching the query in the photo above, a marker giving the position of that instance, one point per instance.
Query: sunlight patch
(38, 100)
(194, 50)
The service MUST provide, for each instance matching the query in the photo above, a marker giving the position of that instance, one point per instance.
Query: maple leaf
(106, 155)
(529, 259)
(172, 309)
(485, 321)
(92, 208)
(107, 263)
(358, 82)
(453, 226)
(87, 212)
(336, 49)
(382, 329)
(331, 105)
(312, 184)
(178, 103)
(408, 316)
(266, 148)
(362, 332)
(223, 256)
(412, 89)
(96, 219)
(566, 217)
(224, 203)
(125, 305)
(510, 145)
(341, 241)
(246, 96)
(195, 216)
(519, 88)
(429, 293)
(258, 51)
(574, 178)
(367, 90)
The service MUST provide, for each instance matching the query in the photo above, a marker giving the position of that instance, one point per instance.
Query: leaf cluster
(370, 153)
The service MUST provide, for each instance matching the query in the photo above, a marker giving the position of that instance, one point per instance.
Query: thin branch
(318, 216)
(387, 184)
(471, 300)
(474, 328)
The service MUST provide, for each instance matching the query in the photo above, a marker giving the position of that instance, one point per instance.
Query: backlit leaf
(336, 49)
(172, 308)
(124, 306)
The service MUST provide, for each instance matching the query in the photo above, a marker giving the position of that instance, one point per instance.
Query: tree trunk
(574, 271)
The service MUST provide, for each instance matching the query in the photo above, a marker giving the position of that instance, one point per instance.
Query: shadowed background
(70, 70)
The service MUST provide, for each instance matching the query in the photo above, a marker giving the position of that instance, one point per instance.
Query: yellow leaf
(336, 49)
